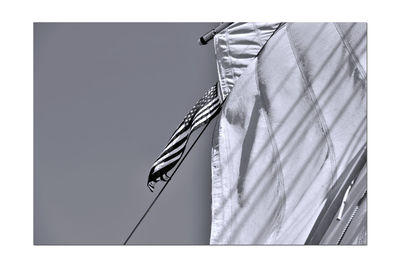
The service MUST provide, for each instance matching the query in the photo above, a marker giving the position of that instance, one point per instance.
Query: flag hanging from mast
(202, 112)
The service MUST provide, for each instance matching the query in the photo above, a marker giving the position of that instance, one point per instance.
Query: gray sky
(107, 96)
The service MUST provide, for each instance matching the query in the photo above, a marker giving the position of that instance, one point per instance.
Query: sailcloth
(292, 125)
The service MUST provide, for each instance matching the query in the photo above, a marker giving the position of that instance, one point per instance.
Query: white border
(16, 107)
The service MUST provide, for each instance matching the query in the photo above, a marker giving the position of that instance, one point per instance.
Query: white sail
(294, 119)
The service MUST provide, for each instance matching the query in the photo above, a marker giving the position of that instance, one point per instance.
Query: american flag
(204, 110)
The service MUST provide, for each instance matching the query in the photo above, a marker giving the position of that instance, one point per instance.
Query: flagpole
(203, 40)
(162, 189)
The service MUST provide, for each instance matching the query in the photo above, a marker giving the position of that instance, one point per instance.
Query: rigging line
(162, 189)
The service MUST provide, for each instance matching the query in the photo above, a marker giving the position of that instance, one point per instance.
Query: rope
(155, 199)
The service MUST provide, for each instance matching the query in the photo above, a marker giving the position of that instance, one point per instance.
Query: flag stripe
(172, 152)
(210, 116)
(176, 147)
(166, 163)
(209, 107)
(205, 109)
(206, 106)
(176, 140)
(180, 129)
(201, 118)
